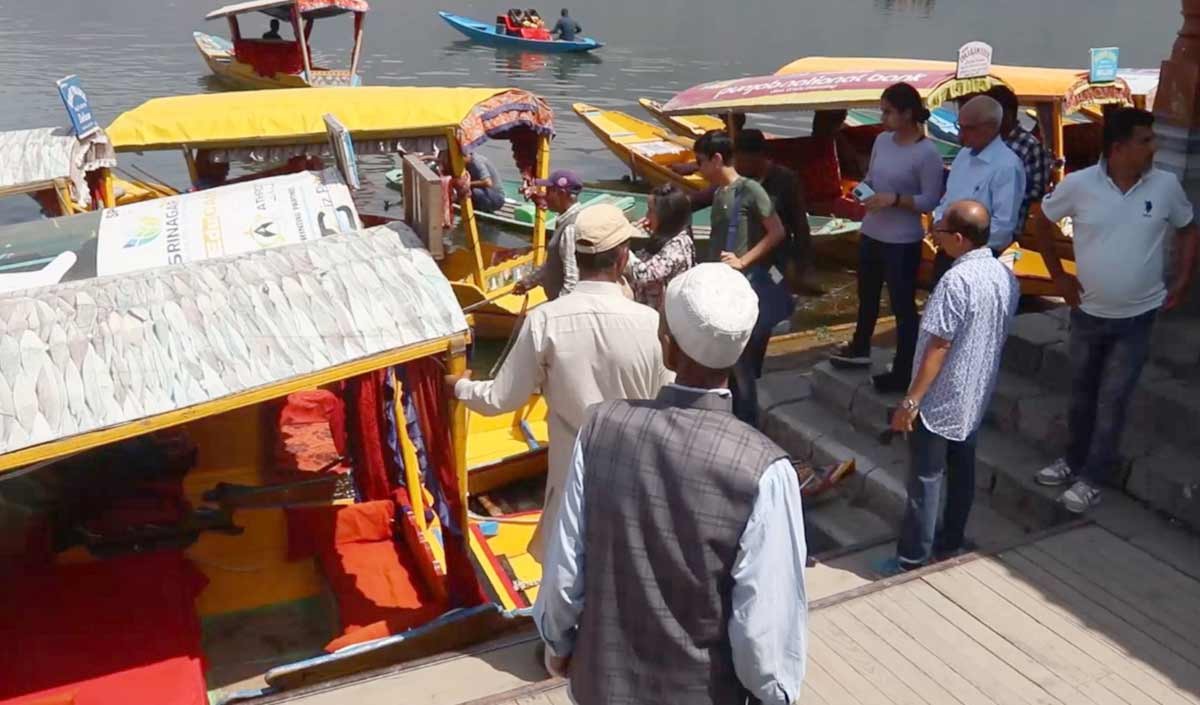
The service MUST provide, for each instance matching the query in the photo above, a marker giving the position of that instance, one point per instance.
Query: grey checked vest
(669, 487)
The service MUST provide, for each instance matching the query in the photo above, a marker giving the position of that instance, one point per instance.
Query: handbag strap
(731, 230)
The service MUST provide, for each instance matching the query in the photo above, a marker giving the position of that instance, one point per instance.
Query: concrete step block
(1029, 336)
(835, 388)
(1176, 344)
(785, 387)
(1007, 466)
(1011, 389)
(1168, 407)
(796, 426)
(846, 524)
(1168, 479)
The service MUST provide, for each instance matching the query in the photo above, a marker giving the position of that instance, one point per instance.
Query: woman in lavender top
(670, 251)
(906, 174)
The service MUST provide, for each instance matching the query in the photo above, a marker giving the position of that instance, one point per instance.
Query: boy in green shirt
(745, 233)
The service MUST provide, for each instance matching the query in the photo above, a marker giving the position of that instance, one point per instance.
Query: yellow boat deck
(645, 148)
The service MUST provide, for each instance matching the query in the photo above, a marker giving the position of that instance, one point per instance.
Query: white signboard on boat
(226, 220)
(974, 60)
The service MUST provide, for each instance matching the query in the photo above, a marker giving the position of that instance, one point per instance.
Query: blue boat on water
(496, 34)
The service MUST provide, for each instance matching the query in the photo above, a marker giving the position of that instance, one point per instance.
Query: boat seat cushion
(378, 587)
(269, 57)
(122, 630)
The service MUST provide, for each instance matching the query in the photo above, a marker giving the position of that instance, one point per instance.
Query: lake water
(127, 51)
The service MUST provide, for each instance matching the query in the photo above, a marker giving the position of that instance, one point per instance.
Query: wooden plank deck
(1078, 618)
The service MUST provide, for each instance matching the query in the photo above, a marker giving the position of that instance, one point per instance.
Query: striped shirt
(972, 307)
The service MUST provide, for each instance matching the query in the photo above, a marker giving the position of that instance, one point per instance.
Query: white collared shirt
(994, 177)
(1120, 238)
(592, 346)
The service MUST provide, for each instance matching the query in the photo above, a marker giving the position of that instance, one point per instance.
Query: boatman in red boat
(675, 571)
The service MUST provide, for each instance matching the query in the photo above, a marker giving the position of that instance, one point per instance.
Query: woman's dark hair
(1120, 123)
(673, 209)
(905, 98)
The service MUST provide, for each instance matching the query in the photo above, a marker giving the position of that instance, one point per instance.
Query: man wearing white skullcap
(690, 526)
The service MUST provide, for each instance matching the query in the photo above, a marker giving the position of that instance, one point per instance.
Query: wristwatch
(909, 404)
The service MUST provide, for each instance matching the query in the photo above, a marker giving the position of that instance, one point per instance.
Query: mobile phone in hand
(862, 192)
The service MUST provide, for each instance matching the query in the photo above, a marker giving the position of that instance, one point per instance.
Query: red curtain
(425, 383)
(372, 464)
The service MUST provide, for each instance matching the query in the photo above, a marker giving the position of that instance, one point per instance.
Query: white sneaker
(1055, 474)
(1080, 498)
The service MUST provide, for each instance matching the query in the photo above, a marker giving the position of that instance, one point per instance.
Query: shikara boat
(285, 131)
(503, 34)
(521, 214)
(648, 150)
(246, 62)
(805, 85)
(63, 173)
(1065, 104)
(228, 477)
(686, 125)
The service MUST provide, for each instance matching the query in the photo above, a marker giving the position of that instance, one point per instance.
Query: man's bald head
(970, 219)
(979, 122)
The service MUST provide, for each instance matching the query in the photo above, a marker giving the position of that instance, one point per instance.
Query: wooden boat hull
(485, 33)
(648, 150)
(218, 54)
(685, 125)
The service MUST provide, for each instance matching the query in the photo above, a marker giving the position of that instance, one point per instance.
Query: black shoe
(890, 383)
(848, 356)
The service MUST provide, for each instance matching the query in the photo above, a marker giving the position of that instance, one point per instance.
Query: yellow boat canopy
(296, 116)
(825, 89)
(1031, 84)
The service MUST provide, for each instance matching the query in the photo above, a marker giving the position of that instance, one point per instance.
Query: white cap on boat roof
(711, 310)
(601, 228)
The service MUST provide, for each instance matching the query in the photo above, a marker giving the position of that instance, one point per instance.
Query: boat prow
(487, 33)
(648, 150)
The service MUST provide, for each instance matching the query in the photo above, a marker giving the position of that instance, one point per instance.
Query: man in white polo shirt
(1122, 209)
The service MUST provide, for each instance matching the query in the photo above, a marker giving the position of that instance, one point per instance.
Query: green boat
(519, 214)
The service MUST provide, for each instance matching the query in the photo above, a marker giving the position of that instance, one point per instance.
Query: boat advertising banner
(222, 221)
(79, 110)
(974, 60)
(227, 220)
(1104, 64)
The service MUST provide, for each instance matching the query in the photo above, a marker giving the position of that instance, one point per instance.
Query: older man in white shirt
(592, 346)
(986, 171)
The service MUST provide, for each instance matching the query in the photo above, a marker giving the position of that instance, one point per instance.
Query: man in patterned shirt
(1027, 148)
(962, 334)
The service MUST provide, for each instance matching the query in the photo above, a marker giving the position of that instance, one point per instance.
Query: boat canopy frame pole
(299, 32)
(542, 171)
(456, 364)
(1056, 131)
(458, 165)
(108, 188)
(356, 52)
(190, 158)
(235, 32)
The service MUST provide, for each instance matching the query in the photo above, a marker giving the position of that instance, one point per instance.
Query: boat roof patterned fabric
(283, 8)
(86, 355)
(34, 159)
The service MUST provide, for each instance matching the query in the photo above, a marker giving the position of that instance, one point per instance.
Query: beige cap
(600, 228)
(711, 310)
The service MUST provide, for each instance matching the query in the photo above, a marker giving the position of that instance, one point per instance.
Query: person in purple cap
(559, 273)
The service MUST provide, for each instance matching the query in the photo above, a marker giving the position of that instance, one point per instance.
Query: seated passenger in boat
(209, 172)
(533, 19)
(828, 124)
(516, 20)
(566, 28)
(273, 32)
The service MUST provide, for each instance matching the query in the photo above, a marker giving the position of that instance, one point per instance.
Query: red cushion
(269, 57)
(116, 631)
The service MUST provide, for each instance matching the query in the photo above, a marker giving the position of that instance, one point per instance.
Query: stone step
(840, 523)
(809, 429)
(1159, 447)
(1167, 400)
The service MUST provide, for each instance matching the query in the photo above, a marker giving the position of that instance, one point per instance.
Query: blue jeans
(931, 456)
(1107, 357)
(486, 200)
(897, 266)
